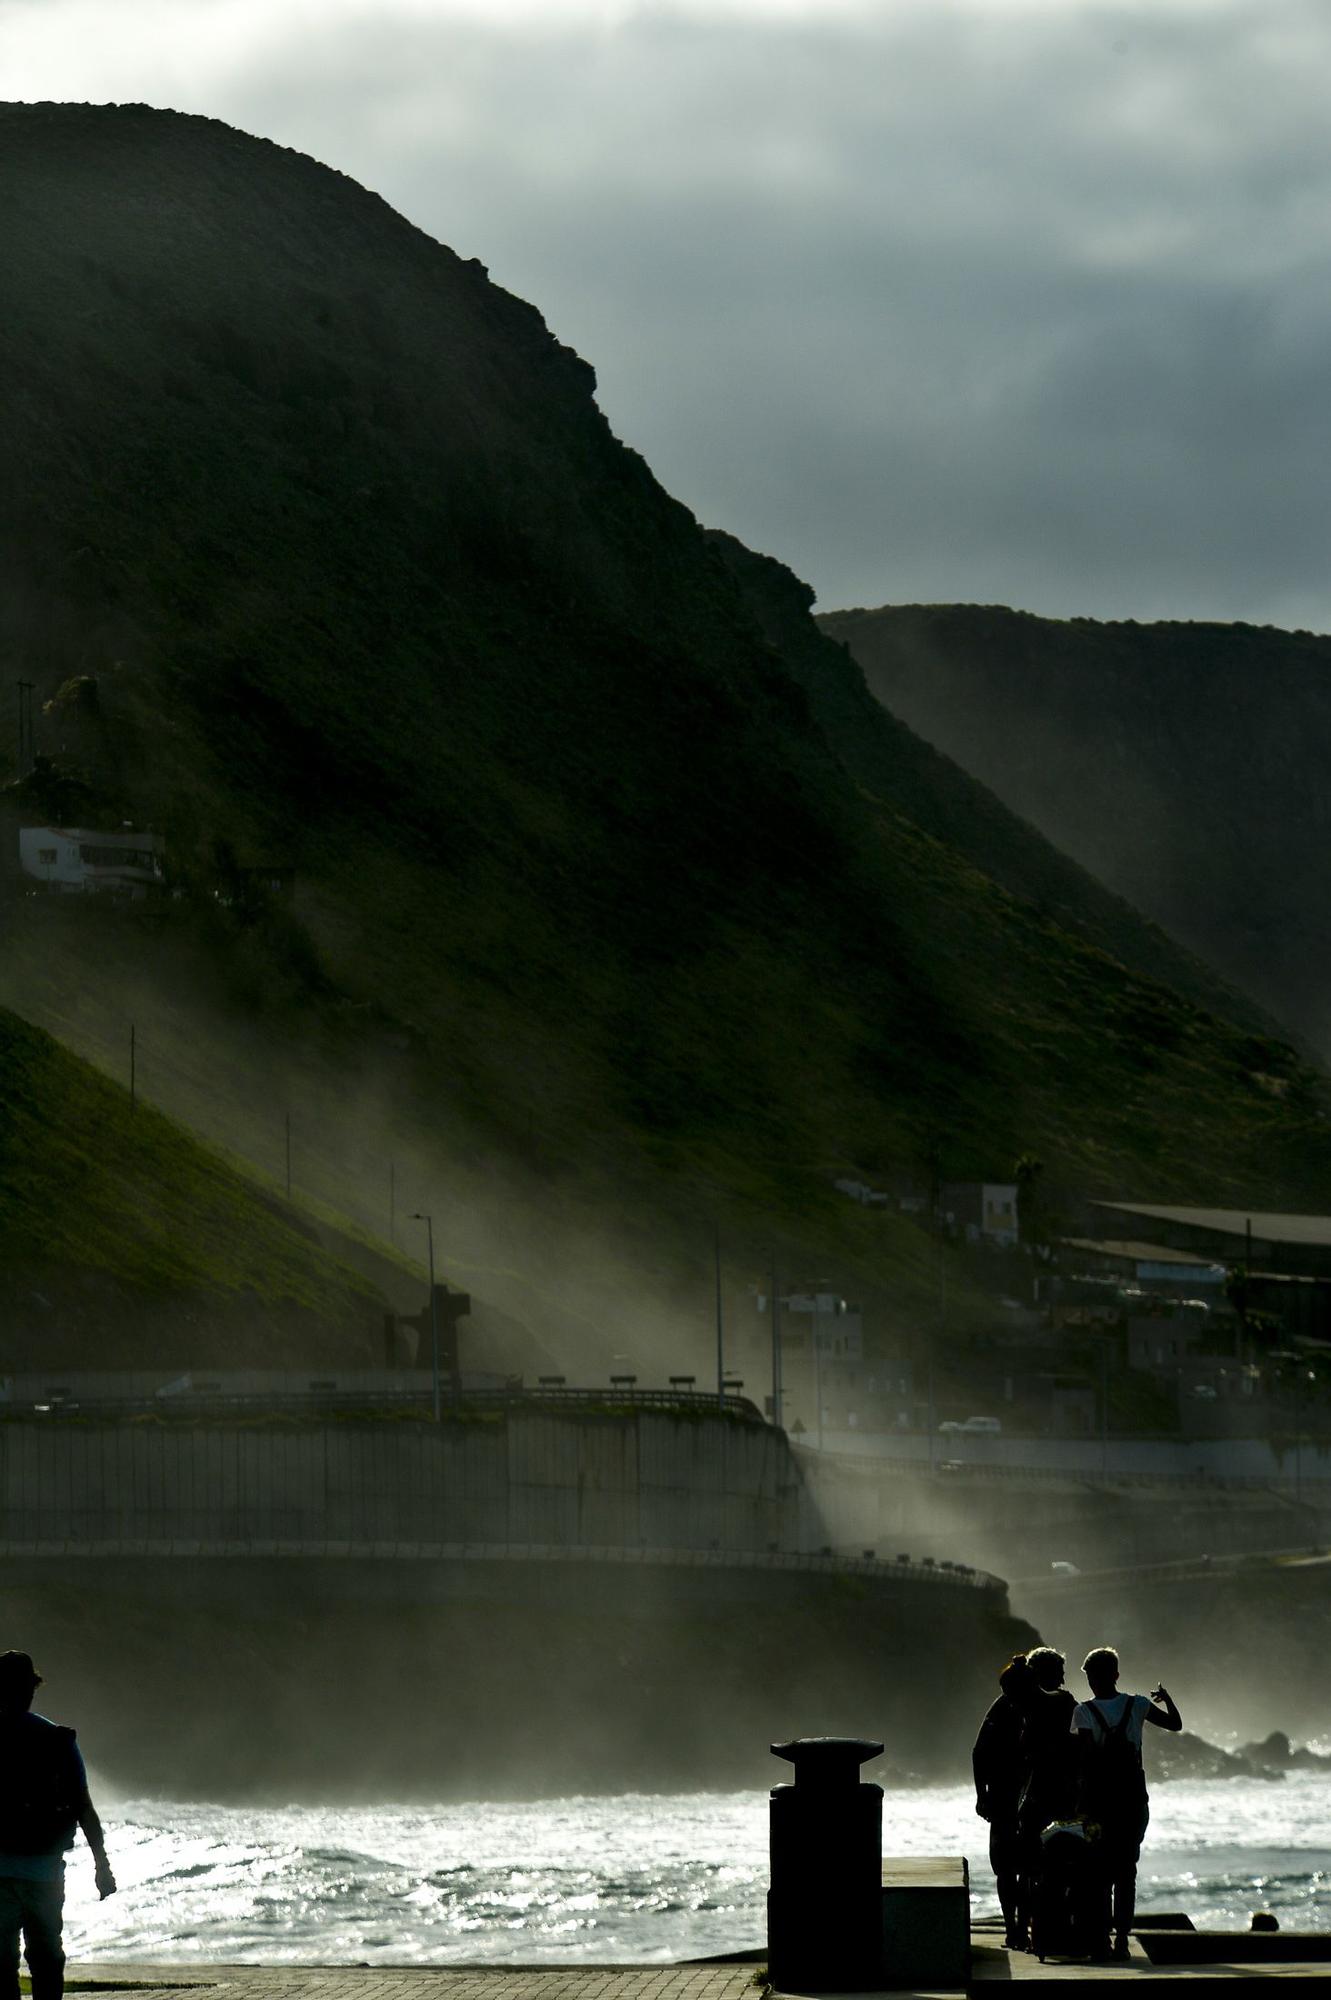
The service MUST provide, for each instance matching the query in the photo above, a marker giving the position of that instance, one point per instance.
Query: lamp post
(817, 1336)
(776, 1350)
(428, 1220)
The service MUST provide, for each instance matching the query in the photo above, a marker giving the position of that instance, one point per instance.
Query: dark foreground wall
(304, 1678)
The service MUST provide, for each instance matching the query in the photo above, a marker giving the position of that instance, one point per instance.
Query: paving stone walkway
(616, 1982)
(389, 1982)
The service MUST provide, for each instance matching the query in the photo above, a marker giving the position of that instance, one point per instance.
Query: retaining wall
(602, 1481)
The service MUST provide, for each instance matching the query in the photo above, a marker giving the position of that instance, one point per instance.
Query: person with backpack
(43, 1803)
(1112, 1790)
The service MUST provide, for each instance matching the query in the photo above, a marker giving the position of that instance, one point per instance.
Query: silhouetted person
(1112, 1789)
(1049, 1749)
(1000, 1772)
(43, 1802)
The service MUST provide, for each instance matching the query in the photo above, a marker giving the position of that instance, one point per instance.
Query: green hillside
(619, 904)
(123, 1241)
(1183, 763)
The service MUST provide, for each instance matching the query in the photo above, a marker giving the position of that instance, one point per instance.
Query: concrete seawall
(553, 1603)
(642, 1477)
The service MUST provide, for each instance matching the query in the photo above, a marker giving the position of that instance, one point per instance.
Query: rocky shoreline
(1187, 1756)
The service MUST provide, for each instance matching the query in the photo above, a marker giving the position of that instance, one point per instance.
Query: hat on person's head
(17, 1674)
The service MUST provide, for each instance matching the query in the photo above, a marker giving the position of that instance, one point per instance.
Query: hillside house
(1163, 1342)
(835, 1326)
(83, 861)
(981, 1211)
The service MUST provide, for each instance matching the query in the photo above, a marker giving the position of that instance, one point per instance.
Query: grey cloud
(937, 304)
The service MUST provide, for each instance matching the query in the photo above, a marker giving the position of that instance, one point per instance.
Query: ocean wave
(599, 1879)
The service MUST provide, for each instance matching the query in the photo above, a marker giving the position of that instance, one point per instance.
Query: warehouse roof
(1139, 1253)
(1313, 1231)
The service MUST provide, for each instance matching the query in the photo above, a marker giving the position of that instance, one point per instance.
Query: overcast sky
(1018, 303)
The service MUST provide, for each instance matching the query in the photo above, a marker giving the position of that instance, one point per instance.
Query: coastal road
(1046, 1588)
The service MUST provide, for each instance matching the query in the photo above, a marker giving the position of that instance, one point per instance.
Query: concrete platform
(992, 1965)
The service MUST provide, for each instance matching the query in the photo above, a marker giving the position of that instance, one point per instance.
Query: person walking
(999, 1774)
(1112, 1787)
(44, 1801)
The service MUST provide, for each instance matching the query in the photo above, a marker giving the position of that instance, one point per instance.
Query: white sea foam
(627, 1879)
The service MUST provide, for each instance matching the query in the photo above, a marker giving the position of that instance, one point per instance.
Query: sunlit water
(625, 1879)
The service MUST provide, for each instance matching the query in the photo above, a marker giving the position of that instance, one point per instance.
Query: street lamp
(428, 1220)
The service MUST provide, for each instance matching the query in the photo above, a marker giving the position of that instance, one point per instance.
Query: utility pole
(288, 1140)
(27, 742)
(936, 1344)
(1104, 1407)
(434, 1310)
(720, 1325)
(133, 1065)
(1298, 1433)
(776, 1350)
(392, 1203)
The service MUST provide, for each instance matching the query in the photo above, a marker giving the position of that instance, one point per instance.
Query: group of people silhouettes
(1061, 1784)
(1059, 1781)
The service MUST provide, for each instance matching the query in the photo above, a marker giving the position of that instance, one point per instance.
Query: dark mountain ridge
(1183, 763)
(606, 862)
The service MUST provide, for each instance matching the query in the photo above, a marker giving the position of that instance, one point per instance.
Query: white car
(1064, 1569)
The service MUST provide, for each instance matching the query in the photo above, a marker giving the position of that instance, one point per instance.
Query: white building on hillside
(87, 861)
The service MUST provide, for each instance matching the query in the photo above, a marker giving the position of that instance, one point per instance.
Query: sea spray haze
(309, 1677)
(125, 1240)
(616, 896)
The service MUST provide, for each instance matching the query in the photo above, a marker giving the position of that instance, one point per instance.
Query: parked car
(988, 1427)
(1064, 1569)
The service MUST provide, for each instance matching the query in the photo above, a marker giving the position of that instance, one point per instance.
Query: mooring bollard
(824, 1906)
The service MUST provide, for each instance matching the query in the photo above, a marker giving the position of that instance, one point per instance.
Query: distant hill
(619, 905)
(124, 1242)
(1183, 764)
